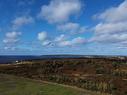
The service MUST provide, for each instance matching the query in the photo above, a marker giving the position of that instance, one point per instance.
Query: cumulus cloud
(115, 14)
(72, 28)
(58, 11)
(60, 38)
(42, 36)
(110, 38)
(10, 40)
(73, 42)
(112, 27)
(60, 41)
(11, 37)
(9, 48)
(46, 43)
(20, 21)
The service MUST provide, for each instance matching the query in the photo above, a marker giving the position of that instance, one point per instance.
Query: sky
(44, 27)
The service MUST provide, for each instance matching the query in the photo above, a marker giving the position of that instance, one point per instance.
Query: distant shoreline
(8, 59)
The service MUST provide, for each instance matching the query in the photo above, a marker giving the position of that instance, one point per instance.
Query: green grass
(10, 85)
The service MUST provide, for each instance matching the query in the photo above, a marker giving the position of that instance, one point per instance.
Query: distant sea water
(10, 59)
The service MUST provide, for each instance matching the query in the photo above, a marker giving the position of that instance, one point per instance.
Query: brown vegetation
(105, 75)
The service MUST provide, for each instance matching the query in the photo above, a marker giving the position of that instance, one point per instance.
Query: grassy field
(11, 85)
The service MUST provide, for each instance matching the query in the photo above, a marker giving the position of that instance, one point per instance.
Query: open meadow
(11, 85)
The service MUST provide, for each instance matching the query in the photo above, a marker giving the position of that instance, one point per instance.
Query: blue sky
(43, 27)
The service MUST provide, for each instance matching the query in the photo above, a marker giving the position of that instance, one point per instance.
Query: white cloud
(11, 37)
(72, 28)
(119, 27)
(115, 14)
(73, 42)
(78, 40)
(60, 10)
(20, 21)
(65, 43)
(110, 38)
(46, 43)
(42, 36)
(112, 27)
(60, 41)
(60, 38)
(9, 48)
